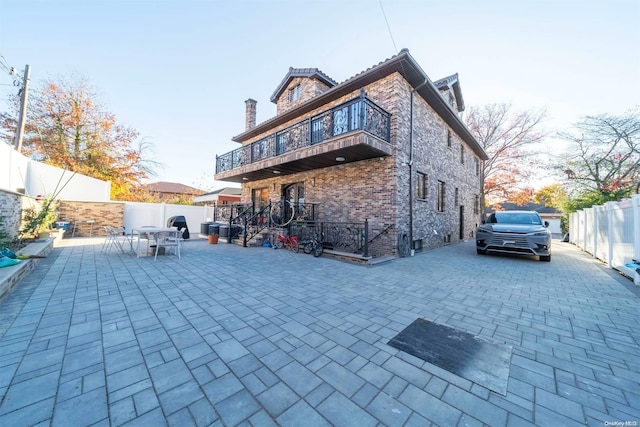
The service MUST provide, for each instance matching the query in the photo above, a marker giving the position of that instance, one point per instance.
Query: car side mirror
(546, 224)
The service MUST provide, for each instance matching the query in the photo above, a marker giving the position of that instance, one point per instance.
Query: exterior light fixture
(244, 178)
(340, 159)
(276, 172)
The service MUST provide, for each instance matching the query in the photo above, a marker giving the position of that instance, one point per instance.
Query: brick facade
(380, 189)
(309, 88)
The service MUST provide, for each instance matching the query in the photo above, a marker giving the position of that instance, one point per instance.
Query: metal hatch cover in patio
(460, 353)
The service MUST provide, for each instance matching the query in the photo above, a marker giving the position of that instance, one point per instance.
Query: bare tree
(506, 136)
(604, 155)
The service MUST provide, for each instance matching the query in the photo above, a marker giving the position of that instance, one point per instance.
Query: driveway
(255, 336)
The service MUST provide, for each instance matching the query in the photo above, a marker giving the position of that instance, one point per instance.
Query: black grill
(180, 222)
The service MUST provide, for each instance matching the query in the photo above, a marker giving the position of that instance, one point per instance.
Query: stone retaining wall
(11, 276)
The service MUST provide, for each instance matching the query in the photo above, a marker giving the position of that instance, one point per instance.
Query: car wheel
(481, 251)
(545, 258)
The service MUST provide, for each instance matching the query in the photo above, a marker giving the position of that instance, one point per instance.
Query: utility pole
(24, 94)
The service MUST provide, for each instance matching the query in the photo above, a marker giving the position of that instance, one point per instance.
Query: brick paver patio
(236, 336)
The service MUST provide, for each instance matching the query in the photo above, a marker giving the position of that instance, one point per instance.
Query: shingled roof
(402, 63)
(172, 187)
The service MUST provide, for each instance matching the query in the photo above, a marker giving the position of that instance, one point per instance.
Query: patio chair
(115, 237)
(108, 239)
(120, 238)
(170, 239)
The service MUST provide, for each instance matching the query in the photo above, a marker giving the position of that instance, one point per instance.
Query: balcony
(353, 131)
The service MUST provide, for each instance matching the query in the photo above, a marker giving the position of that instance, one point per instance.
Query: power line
(4, 65)
(388, 27)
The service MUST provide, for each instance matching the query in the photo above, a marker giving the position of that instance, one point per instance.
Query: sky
(179, 71)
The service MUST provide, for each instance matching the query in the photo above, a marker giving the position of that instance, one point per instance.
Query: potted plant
(37, 221)
(213, 239)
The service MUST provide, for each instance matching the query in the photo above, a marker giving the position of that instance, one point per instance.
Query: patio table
(152, 233)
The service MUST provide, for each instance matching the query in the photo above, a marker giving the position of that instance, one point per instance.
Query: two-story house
(387, 146)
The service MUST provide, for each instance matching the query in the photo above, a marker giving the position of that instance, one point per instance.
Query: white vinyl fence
(22, 175)
(138, 214)
(610, 233)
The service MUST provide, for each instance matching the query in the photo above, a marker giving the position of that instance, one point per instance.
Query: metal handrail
(259, 225)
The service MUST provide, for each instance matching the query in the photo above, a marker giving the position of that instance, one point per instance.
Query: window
(421, 185)
(462, 153)
(455, 197)
(440, 199)
(476, 204)
(448, 138)
(259, 198)
(477, 166)
(294, 93)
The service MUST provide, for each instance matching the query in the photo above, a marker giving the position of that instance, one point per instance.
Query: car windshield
(514, 218)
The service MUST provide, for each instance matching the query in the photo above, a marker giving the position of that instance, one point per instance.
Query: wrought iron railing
(351, 237)
(247, 221)
(360, 114)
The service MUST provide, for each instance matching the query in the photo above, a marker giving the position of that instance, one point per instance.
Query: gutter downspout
(411, 166)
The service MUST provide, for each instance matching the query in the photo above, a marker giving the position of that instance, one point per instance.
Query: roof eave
(402, 63)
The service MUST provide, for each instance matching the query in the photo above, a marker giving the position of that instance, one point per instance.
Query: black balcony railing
(360, 114)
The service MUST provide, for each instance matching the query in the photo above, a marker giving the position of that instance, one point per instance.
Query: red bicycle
(290, 242)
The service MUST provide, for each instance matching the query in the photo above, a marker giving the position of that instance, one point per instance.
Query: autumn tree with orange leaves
(506, 135)
(67, 128)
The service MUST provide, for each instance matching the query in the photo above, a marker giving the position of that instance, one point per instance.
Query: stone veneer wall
(10, 211)
(103, 213)
(378, 189)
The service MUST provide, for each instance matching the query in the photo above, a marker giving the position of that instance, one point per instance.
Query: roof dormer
(300, 85)
(449, 88)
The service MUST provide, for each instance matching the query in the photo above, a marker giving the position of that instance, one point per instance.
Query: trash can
(235, 231)
(180, 222)
(224, 231)
(204, 228)
(214, 228)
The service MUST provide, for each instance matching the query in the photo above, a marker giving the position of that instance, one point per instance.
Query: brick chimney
(250, 115)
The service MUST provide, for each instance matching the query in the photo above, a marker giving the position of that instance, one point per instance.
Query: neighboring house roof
(402, 63)
(231, 191)
(172, 187)
(452, 82)
(301, 72)
(214, 195)
(541, 209)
